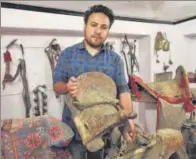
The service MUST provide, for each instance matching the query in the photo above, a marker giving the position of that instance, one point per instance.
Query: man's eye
(104, 28)
(93, 25)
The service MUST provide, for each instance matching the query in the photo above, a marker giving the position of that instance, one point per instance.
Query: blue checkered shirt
(76, 60)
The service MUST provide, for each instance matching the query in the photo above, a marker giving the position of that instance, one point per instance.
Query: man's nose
(98, 30)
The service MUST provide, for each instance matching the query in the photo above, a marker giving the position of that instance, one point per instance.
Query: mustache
(95, 36)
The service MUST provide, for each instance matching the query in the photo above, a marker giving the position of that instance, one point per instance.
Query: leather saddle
(173, 98)
(95, 109)
(164, 144)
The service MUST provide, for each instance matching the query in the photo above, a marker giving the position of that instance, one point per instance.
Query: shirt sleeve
(60, 70)
(121, 82)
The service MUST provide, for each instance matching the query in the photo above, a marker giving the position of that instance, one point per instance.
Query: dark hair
(99, 9)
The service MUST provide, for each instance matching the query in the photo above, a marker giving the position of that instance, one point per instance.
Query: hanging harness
(53, 51)
(132, 51)
(7, 59)
(21, 69)
(40, 100)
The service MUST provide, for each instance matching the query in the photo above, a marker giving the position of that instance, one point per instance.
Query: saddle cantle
(95, 109)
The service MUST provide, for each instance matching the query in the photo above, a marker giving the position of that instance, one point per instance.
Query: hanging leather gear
(162, 43)
(125, 58)
(21, 69)
(7, 59)
(41, 103)
(132, 52)
(53, 51)
(109, 45)
(25, 92)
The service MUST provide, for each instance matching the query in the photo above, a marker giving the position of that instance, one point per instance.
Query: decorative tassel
(7, 57)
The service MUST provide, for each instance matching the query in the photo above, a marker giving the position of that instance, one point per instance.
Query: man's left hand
(132, 132)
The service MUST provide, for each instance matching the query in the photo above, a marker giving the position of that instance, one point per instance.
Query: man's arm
(124, 95)
(61, 83)
(60, 75)
(122, 87)
(126, 104)
(126, 101)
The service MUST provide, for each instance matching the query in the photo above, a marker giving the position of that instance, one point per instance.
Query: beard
(93, 45)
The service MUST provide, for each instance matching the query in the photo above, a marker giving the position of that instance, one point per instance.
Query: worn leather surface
(96, 109)
(171, 115)
(95, 88)
(161, 145)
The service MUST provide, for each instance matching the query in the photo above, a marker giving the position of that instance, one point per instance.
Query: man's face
(97, 29)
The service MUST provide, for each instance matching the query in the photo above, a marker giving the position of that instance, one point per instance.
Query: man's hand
(132, 132)
(72, 86)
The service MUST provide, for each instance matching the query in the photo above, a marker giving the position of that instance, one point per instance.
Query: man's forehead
(99, 18)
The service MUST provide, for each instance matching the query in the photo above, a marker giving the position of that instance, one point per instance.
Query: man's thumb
(73, 79)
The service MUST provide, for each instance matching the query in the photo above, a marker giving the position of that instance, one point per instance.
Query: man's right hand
(72, 86)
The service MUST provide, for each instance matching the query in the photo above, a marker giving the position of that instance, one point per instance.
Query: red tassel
(7, 56)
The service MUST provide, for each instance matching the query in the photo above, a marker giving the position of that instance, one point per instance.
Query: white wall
(186, 43)
(193, 54)
(187, 28)
(35, 30)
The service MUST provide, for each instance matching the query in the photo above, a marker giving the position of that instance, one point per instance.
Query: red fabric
(7, 56)
(134, 88)
(188, 105)
(158, 112)
(182, 83)
(192, 80)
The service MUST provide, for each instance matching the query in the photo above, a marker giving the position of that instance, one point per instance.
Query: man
(91, 55)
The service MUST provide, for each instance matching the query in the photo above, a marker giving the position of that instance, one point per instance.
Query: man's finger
(130, 138)
(73, 93)
(73, 88)
(74, 84)
(73, 79)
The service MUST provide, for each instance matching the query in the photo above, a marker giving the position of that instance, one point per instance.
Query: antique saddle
(96, 110)
(164, 144)
(173, 98)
